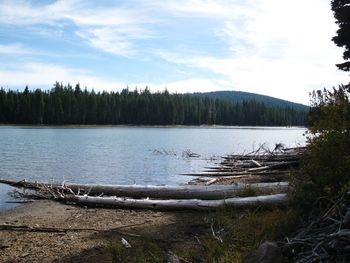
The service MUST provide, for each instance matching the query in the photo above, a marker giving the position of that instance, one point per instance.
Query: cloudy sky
(273, 47)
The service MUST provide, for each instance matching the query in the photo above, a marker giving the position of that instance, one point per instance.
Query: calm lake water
(124, 155)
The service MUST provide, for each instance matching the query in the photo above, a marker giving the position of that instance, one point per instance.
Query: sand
(89, 246)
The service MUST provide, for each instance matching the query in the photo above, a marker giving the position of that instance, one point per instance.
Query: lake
(124, 155)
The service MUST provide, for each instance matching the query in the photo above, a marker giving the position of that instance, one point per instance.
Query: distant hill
(240, 96)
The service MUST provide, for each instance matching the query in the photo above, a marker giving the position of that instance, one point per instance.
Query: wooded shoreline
(64, 104)
(202, 126)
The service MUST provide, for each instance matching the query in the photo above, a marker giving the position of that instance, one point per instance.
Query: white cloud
(277, 48)
(115, 40)
(111, 30)
(44, 75)
(15, 49)
(19, 12)
(108, 40)
(213, 9)
(105, 16)
(287, 79)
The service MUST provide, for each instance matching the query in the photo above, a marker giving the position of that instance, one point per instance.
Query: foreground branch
(26, 228)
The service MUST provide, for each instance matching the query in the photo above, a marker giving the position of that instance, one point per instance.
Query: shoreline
(97, 126)
(62, 232)
(4, 211)
(106, 227)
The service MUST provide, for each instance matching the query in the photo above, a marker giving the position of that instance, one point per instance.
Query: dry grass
(242, 231)
(231, 234)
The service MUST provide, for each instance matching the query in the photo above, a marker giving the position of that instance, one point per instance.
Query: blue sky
(278, 48)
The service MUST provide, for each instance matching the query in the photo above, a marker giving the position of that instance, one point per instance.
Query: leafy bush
(325, 169)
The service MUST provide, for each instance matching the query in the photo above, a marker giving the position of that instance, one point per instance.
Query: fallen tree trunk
(258, 178)
(179, 204)
(243, 173)
(151, 191)
(239, 166)
(275, 166)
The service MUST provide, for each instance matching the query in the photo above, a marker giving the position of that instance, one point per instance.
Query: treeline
(68, 105)
(240, 96)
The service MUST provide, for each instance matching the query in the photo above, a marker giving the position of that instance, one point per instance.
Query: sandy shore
(109, 225)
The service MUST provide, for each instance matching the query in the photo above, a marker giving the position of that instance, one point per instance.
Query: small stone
(24, 255)
(125, 243)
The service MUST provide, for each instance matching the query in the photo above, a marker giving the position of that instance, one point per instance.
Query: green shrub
(325, 169)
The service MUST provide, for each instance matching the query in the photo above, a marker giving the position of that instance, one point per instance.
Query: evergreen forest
(240, 96)
(64, 104)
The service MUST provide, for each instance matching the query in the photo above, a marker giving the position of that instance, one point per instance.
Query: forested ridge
(64, 104)
(240, 96)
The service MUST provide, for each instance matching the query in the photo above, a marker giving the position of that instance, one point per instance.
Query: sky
(278, 48)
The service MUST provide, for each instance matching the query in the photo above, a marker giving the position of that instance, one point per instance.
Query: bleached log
(152, 191)
(274, 166)
(180, 204)
(256, 163)
(264, 171)
(215, 173)
(262, 158)
(211, 181)
(239, 166)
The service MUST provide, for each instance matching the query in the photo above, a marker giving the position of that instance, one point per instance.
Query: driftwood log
(166, 197)
(152, 191)
(258, 166)
(179, 204)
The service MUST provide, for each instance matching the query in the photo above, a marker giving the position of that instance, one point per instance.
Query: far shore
(84, 126)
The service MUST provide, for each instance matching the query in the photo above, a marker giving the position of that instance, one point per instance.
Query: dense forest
(240, 96)
(68, 105)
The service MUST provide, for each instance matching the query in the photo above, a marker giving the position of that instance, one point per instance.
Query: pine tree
(341, 9)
